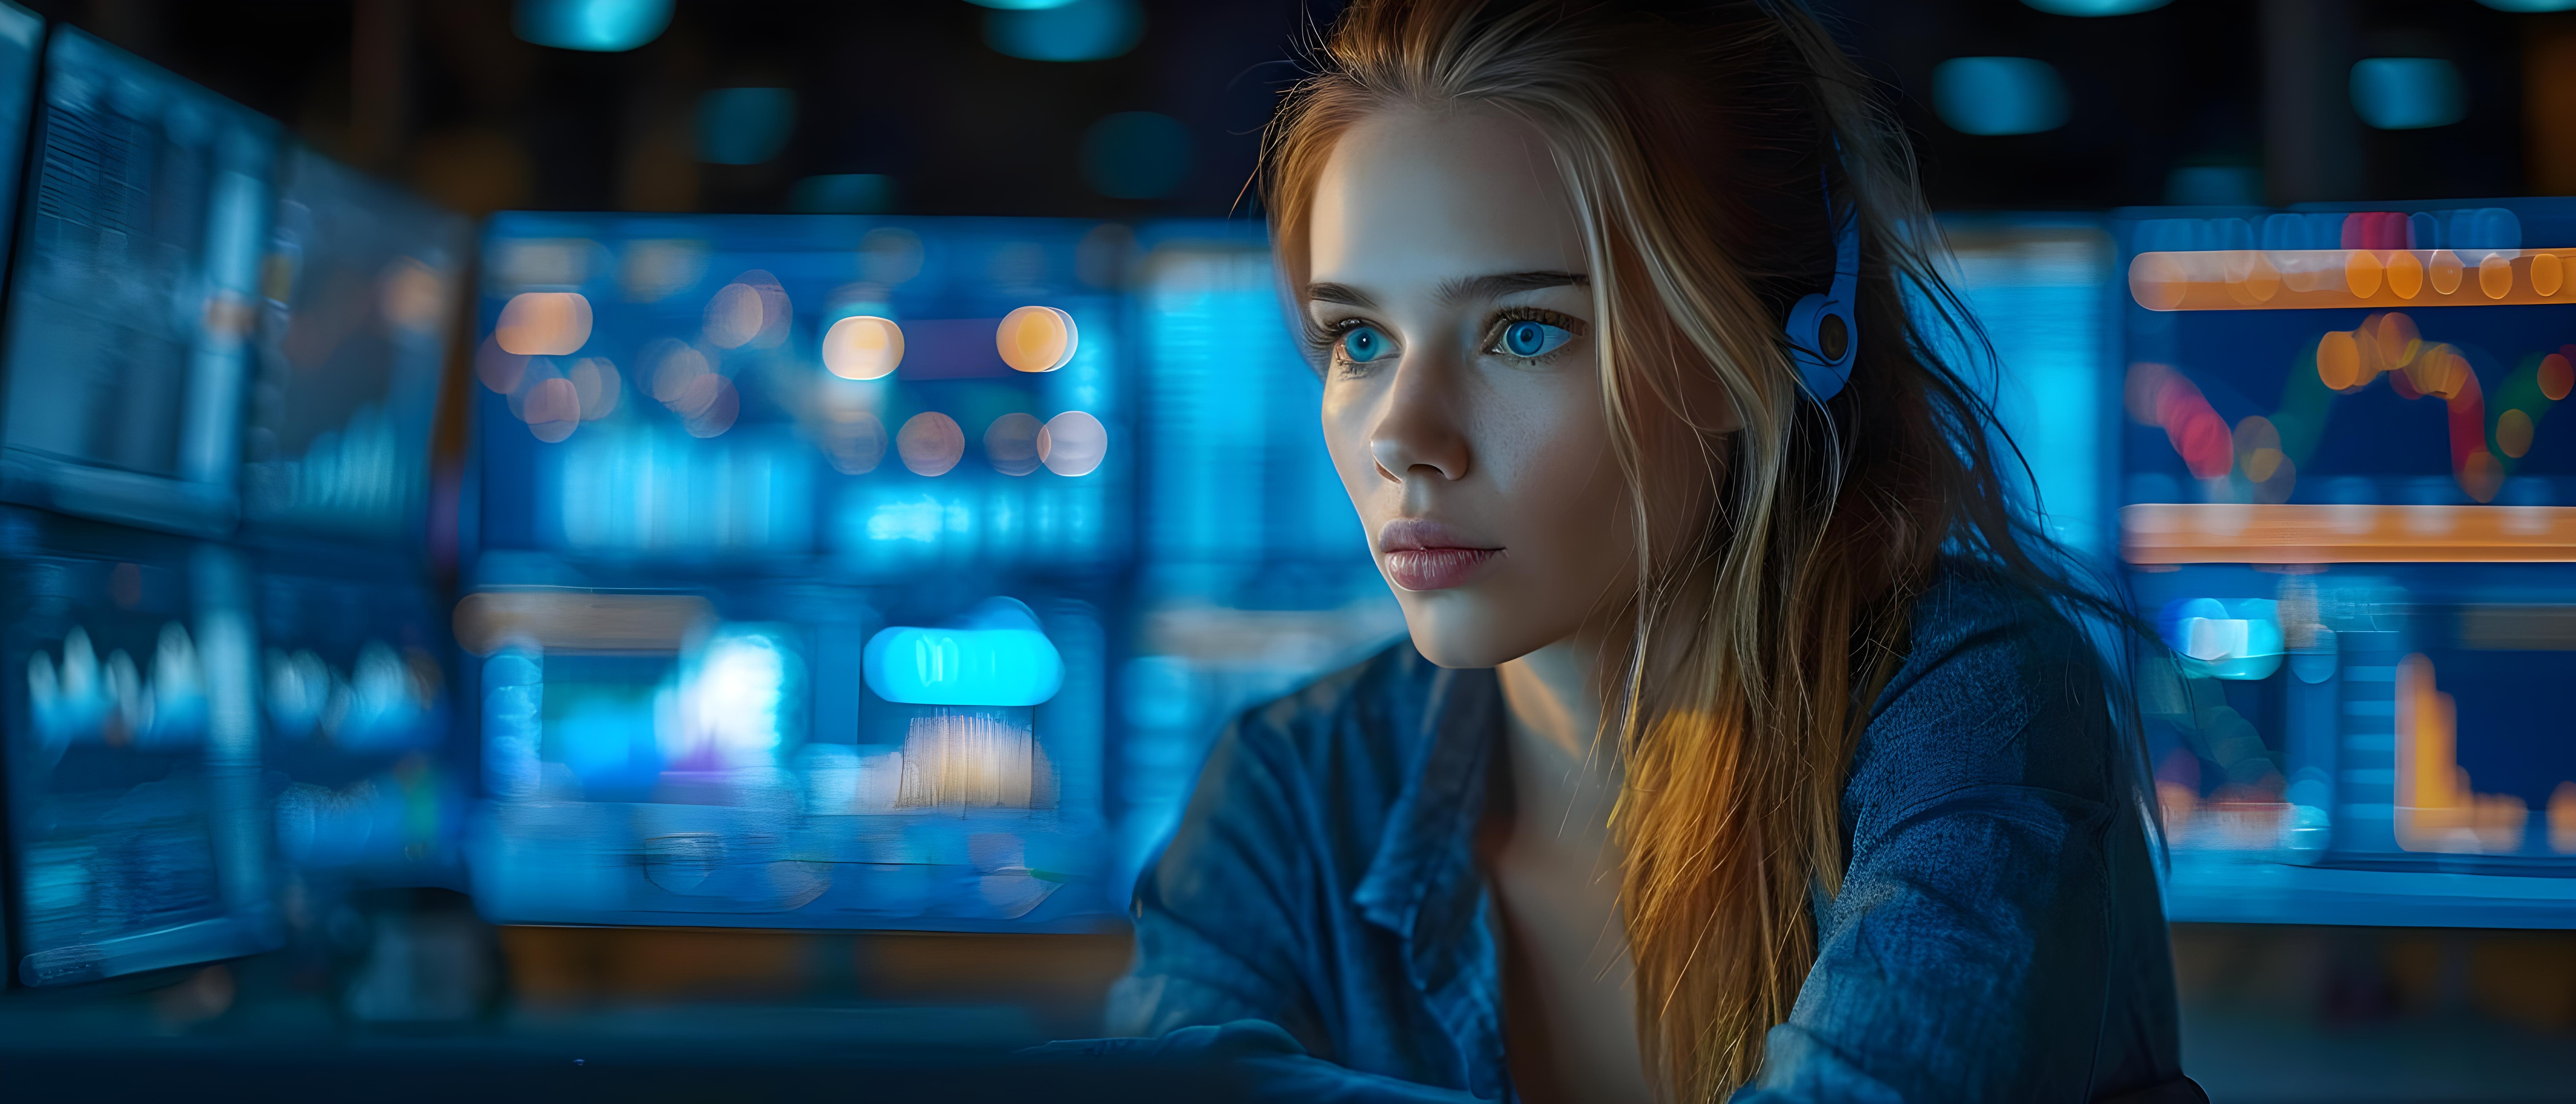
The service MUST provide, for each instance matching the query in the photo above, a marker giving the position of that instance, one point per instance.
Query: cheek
(1548, 450)
(1348, 416)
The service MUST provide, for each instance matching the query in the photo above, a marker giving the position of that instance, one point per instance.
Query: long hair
(1699, 141)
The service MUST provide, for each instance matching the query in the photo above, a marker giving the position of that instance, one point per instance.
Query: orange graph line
(2322, 279)
(2251, 533)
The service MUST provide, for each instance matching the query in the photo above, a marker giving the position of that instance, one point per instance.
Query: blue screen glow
(600, 26)
(995, 656)
(1999, 95)
(1080, 30)
(2408, 93)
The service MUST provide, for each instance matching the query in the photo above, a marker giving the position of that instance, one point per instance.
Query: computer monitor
(137, 823)
(135, 294)
(21, 35)
(357, 291)
(369, 768)
(802, 548)
(1254, 574)
(2039, 287)
(2348, 513)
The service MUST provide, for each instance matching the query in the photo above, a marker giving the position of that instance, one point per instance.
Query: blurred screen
(2346, 514)
(20, 31)
(1254, 572)
(367, 785)
(133, 769)
(133, 295)
(803, 544)
(356, 292)
(2039, 286)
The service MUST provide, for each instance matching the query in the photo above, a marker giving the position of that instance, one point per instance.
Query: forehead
(1412, 196)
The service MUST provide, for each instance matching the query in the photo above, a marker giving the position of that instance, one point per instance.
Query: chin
(1458, 629)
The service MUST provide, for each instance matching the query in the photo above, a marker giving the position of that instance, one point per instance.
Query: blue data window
(358, 291)
(136, 293)
(758, 496)
(2350, 516)
(137, 822)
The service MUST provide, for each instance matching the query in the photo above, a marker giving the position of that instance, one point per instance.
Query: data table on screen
(134, 293)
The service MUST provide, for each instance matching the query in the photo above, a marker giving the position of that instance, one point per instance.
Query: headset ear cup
(1808, 344)
(1824, 337)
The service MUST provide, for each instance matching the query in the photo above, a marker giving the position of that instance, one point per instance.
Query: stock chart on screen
(136, 815)
(2349, 515)
(357, 286)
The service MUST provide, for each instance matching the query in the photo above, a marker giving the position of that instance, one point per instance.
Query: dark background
(446, 97)
(443, 95)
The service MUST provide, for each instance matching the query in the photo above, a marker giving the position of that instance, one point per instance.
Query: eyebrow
(1508, 283)
(1493, 286)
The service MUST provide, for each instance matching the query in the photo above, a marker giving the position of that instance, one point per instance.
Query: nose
(1418, 434)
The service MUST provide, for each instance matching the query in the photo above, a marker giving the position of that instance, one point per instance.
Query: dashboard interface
(2347, 509)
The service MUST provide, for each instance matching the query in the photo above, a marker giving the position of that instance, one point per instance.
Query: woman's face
(1461, 397)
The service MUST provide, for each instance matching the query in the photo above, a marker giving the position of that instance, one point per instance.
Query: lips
(1421, 554)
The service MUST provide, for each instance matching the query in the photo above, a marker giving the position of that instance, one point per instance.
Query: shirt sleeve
(1966, 956)
(1219, 935)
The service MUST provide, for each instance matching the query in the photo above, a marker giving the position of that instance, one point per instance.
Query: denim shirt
(1997, 934)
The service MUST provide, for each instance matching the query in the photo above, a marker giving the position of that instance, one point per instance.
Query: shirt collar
(1430, 830)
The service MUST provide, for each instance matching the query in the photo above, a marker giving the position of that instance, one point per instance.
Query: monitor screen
(133, 300)
(802, 547)
(2039, 286)
(21, 32)
(2346, 512)
(137, 834)
(1254, 573)
(368, 778)
(356, 294)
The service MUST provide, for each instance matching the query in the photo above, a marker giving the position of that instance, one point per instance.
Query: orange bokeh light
(2445, 270)
(543, 323)
(2405, 274)
(2495, 276)
(710, 406)
(597, 383)
(2339, 360)
(1036, 339)
(2399, 340)
(2361, 269)
(552, 409)
(863, 347)
(930, 443)
(2513, 433)
(2557, 376)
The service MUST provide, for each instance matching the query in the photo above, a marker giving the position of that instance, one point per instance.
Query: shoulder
(1997, 687)
(1308, 728)
(1343, 739)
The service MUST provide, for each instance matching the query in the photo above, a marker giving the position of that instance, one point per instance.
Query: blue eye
(1362, 344)
(1527, 338)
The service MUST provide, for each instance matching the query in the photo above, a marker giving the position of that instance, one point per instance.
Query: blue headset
(1824, 336)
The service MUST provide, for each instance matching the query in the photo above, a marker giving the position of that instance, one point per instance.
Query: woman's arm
(1970, 950)
(1965, 959)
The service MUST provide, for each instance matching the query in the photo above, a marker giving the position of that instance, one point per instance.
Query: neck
(1564, 776)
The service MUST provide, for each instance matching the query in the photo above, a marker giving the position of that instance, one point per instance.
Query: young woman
(1742, 740)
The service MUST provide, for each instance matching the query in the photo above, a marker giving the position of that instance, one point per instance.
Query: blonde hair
(1699, 140)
